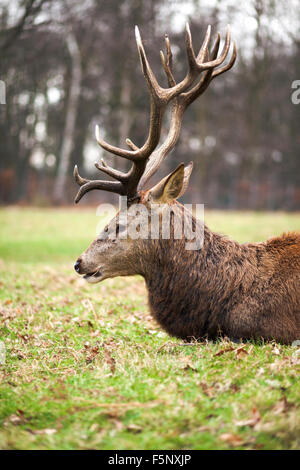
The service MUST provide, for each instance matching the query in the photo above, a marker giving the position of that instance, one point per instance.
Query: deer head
(113, 254)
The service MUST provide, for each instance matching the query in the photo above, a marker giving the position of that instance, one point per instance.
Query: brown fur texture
(249, 291)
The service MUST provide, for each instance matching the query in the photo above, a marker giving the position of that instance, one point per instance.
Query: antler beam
(182, 95)
(181, 103)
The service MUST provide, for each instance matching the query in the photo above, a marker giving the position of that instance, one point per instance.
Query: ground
(87, 368)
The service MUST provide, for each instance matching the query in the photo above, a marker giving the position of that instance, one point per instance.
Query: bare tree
(71, 112)
(31, 9)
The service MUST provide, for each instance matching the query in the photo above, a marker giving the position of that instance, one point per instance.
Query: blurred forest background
(68, 65)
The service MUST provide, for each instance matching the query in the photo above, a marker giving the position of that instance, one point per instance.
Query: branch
(32, 8)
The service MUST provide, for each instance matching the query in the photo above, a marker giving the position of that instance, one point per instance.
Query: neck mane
(190, 291)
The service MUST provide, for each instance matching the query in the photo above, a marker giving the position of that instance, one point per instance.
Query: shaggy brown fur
(249, 291)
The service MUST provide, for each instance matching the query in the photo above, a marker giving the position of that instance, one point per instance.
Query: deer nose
(77, 266)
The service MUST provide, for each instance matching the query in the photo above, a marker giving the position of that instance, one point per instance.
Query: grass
(87, 367)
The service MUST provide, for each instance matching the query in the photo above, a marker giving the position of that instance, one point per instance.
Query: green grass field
(87, 368)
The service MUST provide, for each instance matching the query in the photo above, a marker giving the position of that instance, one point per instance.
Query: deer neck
(188, 289)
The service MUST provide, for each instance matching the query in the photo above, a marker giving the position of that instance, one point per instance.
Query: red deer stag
(248, 291)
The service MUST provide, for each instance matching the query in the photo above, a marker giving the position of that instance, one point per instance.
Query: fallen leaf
(189, 366)
(223, 351)
(48, 432)
(232, 439)
(252, 421)
(240, 351)
(118, 424)
(208, 391)
(94, 427)
(13, 419)
(134, 428)
(92, 352)
(282, 406)
(110, 360)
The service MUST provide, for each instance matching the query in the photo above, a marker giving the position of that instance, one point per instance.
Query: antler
(127, 183)
(183, 100)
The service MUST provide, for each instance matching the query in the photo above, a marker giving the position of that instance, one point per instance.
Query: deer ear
(172, 186)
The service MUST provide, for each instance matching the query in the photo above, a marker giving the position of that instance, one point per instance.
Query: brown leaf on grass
(282, 406)
(232, 439)
(14, 352)
(94, 427)
(234, 388)
(241, 351)
(255, 418)
(110, 360)
(223, 351)
(24, 338)
(208, 391)
(189, 366)
(13, 419)
(203, 429)
(48, 431)
(111, 343)
(91, 352)
(16, 418)
(114, 414)
(8, 314)
(134, 428)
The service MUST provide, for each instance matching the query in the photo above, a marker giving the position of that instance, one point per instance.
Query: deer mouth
(93, 277)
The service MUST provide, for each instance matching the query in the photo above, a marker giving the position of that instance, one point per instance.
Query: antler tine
(128, 154)
(229, 65)
(118, 175)
(216, 46)
(196, 62)
(190, 96)
(147, 71)
(168, 64)
(131, 144)
(215, 63)
(78, 179)
(88, 185)
(169, 53)
(204, 48)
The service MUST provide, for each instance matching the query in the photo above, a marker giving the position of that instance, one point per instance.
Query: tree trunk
(71, 112)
